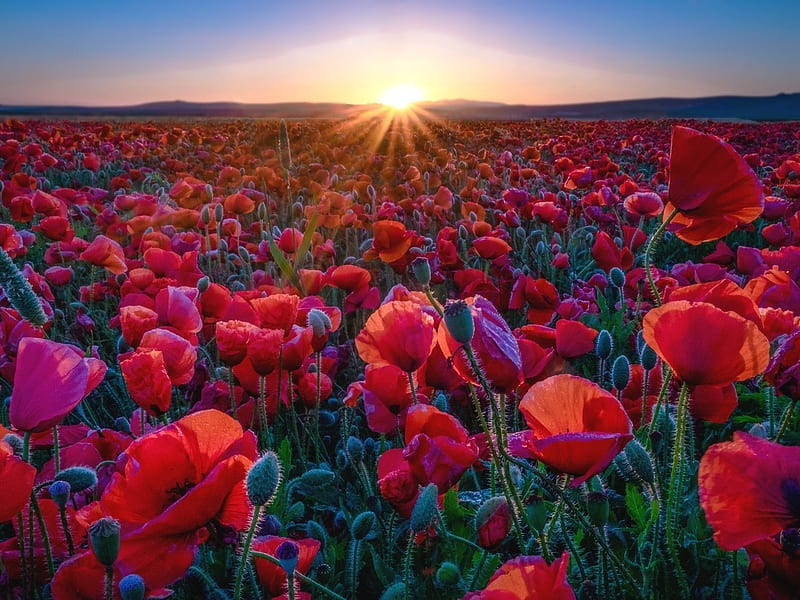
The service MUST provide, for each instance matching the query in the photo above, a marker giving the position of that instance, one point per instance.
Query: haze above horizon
(356, 51)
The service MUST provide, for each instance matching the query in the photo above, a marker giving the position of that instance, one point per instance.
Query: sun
(401, 96)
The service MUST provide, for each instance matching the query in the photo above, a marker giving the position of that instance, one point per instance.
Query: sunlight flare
(401, 96)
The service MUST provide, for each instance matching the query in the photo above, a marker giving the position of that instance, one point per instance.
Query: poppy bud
(271, 525)
(448, 575)
(59, 492)
(131, 587)
(319, 322)
(19, 292)
(262, 211)
(426, 510)
(287, 554)
(759, 430)
(355, 448)
(648, 357)
(617, 276)
(396, 591)
(104, 535)
(362, 525)
(492, 521)
(422, 270)
(316, 531)
(14, 441)
(317, 478)
(604, 345)
(219, 213)
(244, 254)
(640, 461)
(263, 479)
(79, 478)
(122, 424)
(459, 321)
(621, 372)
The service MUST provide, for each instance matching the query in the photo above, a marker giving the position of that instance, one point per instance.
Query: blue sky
(535, 52)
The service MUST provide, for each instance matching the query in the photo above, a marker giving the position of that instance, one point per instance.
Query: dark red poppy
(711, 186)
(438, 447)
(396, 482)
(644, 204)
(528, 578)
(271, 576)
(607, 253)
(749, 489)
(576, 427)
(783, 370)
(399, 333)
(50, 380)
(774, 570)
(540, 295)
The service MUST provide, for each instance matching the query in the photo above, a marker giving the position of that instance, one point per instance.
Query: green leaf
(305, 244)
(637, 509)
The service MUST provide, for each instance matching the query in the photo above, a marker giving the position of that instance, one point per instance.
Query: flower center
(791, 493)
(179, 489)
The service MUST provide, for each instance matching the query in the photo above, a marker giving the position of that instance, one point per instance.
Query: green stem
(290, 585)
(675, 490)
(434, 302)
(109, 579)
(232, 393)
(317, 441)
(412, 387)
(65, 526)
(785, 419)
(26, 577)
(263, 434)
(56, 449)
(48, 552)
(237, 590)
(577, 514)
(651, 246)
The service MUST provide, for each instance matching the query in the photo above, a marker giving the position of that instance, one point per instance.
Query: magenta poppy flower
(50, 380)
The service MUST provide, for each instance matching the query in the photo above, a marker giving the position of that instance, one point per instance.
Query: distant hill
(781, 107)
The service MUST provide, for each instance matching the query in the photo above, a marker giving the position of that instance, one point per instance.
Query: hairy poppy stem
(48, 552)
(412, 386)
(578, 515)
(648, 255)
(23, 559)
(56, 451)
(675, 490)
(109, 581)
(232, 394)
(248, 540)
(317, 442)
(785, 419)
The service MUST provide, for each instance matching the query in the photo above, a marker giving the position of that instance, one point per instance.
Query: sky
(101, 53)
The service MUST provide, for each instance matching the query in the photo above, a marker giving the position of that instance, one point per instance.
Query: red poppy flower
(106, 253)
(232, 337)
(264, 350)
(50, 380)
(749, 489)
(494, 345)
(16, 482)
(774, 570)
(82, 577)
(644, 204)
(783, 370)
(713, 188)
(607, 254)
(438, 447)
(179, 354)
(148, 383)
(540, 295)
(390, 240)
(490, 247)
(576, 427)
(705, 345)
(176, 307)
(277, 311)
(724, 294)
(399, 333)
(528, 578)
(135, 321)
(396, 482)
(270, 575)
(171, 485)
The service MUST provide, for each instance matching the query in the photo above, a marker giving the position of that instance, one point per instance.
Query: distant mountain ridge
(780, 107)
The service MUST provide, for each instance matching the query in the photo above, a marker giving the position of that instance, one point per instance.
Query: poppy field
(399, 359)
